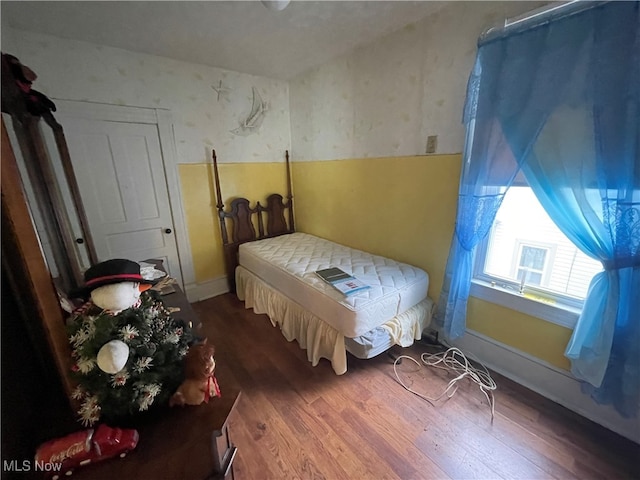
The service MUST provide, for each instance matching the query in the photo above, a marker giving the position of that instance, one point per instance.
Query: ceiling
(243, 36)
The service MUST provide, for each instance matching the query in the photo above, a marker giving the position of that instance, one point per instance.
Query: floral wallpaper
(384, 99)
(206, 103)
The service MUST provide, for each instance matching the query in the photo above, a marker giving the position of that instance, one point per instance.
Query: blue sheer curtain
(560, 101)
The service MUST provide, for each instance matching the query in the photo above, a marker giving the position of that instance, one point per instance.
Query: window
(531, 264)
(526, 255)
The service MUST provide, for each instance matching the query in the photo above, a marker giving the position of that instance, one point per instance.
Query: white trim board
(559, 314)
(105, 111)
(545, 379)
(211, 288)
(172, 174)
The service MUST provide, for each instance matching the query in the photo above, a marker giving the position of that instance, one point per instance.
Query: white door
(121, 178)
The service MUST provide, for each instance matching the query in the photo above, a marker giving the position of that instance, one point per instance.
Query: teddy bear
(200, 384)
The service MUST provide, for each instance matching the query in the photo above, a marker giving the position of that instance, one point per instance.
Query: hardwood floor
(299, 421)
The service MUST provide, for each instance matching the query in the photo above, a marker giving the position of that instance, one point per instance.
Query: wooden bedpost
(241, 217)
(219, 204)
(289, 194)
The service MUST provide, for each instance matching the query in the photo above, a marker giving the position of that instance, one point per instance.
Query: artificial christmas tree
(129, 358)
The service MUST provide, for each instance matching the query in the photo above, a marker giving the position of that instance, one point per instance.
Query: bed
(272, 269)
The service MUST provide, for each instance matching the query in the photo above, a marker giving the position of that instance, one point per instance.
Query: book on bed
(341, 280)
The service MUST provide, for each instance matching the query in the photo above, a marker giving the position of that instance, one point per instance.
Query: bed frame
(243, 220)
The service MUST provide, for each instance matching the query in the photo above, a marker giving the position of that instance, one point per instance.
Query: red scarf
(207, 394)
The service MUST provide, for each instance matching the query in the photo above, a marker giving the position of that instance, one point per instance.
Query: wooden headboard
(243, 219)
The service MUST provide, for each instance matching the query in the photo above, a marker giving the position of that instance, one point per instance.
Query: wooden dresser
(181, 443)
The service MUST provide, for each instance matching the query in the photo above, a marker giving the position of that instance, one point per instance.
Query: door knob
(80, 241)
(167, 230)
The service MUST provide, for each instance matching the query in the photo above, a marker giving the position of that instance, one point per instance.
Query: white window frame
(553, 307)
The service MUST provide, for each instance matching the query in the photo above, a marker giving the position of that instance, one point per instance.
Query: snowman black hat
(112, 271)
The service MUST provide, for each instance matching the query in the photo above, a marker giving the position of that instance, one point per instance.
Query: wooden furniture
(178, 299)
(34, 343)
(28, 275)
(273, 270)
(242, 220)
(29, 127)
(190, 442)
(28, 272)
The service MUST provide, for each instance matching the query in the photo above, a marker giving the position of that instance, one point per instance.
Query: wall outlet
(432, 143)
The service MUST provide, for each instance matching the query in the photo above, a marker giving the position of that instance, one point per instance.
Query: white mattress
(288, 263)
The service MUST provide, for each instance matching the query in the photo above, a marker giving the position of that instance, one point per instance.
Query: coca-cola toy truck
(62, 455)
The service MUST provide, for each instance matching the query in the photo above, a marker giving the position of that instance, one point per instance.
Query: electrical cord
(453, 360)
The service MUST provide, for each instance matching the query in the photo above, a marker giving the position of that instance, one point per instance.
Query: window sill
(559, 314)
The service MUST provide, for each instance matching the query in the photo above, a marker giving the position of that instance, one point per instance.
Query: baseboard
(549, 381)
(211, 288)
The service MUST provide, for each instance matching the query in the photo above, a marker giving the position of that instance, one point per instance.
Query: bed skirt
(319, 339)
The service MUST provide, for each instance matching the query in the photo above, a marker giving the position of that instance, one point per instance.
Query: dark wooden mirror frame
(29, 276)
(23, 261)
(27, 129)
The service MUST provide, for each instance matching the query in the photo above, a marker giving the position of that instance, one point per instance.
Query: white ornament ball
(113, 356)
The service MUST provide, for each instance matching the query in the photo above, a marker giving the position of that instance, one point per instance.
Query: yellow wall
(534, 336)
(251, 180)
(404, 208)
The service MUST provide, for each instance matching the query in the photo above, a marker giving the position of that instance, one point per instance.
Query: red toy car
(62, 455)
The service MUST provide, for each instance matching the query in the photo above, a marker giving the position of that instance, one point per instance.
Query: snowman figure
(114, 285)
